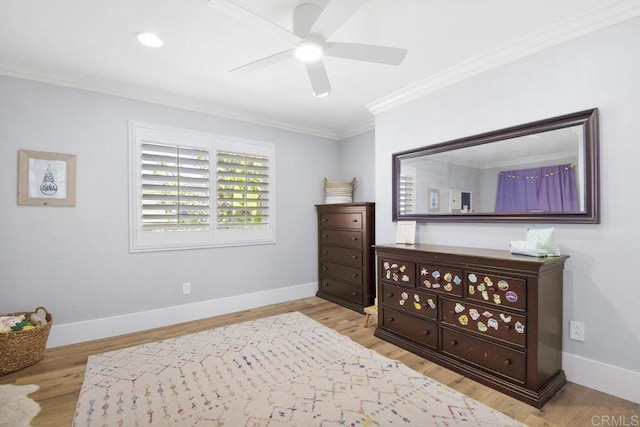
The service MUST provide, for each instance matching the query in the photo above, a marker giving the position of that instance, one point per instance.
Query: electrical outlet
(186, 288)
(576, 330)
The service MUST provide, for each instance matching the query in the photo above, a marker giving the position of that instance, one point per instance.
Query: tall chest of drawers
(346, 265)
(487, 314)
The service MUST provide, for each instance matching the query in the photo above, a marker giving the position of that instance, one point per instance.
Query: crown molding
(603, 16)
(140, 93)
(362, 127)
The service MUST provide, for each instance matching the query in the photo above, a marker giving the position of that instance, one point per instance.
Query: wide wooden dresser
(346, 265)
(487, 314)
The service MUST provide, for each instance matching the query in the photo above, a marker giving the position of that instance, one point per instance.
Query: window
(193, 189)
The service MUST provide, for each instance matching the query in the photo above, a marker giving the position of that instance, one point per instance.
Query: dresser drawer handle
(325, 219)
(354, 275)
(354, 220)
(390, 319)
(354, 256)
(355, 239)
(325, 236)
(390, 294)
(325, 268)
(453, 343)
(506, 362)
(354, 294)
(427, 332)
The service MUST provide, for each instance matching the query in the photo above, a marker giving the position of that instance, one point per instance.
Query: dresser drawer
(345, 239)
(342, 290)
(421, 330)
(443, 280)
(402, 273)
(410, 300)
(501, 360)
(341, 272)
(352, 257)
(492, 322)
(498, 290)
(341, 220)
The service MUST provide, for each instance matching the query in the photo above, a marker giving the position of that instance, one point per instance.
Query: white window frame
(140, 241)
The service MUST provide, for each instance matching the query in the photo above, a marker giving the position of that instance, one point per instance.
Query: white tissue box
(527, 247)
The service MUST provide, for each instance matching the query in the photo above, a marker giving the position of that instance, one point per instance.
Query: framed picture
(47, 179)
(406, 232)
(433, 200)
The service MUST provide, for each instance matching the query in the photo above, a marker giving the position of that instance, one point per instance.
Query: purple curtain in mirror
(546, 189)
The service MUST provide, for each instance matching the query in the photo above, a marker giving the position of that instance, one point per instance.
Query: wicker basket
(23, 348)
(339, 192)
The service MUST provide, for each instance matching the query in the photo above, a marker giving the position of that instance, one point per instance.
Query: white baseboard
(599, 376)
(72, 333)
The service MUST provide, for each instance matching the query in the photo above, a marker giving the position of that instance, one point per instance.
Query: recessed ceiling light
(149, 39)
(308, 51)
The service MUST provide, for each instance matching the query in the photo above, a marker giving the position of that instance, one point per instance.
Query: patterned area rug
(285, 370)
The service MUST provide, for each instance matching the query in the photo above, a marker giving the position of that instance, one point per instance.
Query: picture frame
(406, 232)
(433, 200)
(46, 179)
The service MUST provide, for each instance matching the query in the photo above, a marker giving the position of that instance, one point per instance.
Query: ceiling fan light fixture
(149, 39)
(308, 51)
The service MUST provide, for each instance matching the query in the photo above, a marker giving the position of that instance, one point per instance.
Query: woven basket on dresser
(339, 192)
(20, 349)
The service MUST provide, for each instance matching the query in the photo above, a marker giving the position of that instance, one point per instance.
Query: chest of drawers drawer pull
(506, 362)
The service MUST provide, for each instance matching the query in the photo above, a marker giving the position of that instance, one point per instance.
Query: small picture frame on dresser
(406, 232)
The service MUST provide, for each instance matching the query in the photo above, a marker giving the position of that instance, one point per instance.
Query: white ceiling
(91, 44)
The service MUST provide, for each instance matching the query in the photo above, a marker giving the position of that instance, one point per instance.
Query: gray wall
(75, 260)
(357, 159)
(597, 70)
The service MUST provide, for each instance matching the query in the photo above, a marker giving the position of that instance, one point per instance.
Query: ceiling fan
(312, 26)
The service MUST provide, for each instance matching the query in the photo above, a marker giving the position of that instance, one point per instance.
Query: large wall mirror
(546, 171)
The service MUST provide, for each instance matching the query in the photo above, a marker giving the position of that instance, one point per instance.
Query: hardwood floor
(60, 373)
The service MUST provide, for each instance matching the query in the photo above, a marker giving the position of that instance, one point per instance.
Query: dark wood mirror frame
(588, 119)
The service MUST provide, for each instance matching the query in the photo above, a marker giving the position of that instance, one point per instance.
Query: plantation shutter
(175, 188)
(406, 195)
(242, 183)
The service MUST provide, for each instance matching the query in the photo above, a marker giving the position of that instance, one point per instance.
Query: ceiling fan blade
(265, 62)
(319, 79)
(334, 15)
(239, 12)
(366, 52)
(304, 16)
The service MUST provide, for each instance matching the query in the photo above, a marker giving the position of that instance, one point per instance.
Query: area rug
(285, 370)
(16, 409)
